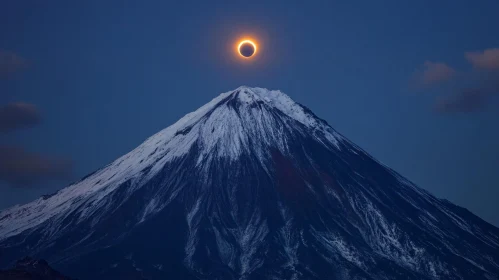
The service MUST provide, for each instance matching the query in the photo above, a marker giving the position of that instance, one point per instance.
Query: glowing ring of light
(246, 42)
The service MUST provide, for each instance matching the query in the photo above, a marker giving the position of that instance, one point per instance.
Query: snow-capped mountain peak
(245, 120)
(251, 185)
(278, 100)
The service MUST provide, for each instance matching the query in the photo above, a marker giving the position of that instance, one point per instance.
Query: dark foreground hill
(30, 269)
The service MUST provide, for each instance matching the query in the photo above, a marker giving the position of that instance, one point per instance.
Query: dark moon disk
(247, 50)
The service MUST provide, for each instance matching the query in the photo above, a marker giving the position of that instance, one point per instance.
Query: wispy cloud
(20, 168)
(434, 73)
(486, 60)
(10, 63)
(482, 84)
(466, 101)
(17, 116)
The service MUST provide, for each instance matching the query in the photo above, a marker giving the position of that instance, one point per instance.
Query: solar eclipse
(247, 48)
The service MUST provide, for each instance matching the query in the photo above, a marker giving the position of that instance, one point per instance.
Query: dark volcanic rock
(31, 269)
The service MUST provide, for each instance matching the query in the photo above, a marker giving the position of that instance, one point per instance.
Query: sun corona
(247, 48)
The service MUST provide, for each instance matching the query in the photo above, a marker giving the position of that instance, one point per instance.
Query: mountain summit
(251, 185)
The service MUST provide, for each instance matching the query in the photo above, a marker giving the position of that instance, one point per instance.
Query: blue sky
(102, 76)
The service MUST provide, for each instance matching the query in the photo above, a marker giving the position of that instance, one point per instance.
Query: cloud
(471, 99)
(20, 168)
(487, 59)
(473, 91)
(434, 73)
(17, 116)
(10, 63)
(467, 101)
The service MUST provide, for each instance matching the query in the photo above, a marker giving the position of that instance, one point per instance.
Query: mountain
(251, 185)
(30, 269)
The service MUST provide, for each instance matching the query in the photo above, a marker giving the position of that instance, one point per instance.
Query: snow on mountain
(251, 185)
(227, 132)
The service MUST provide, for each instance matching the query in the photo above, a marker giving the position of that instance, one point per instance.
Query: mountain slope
(250, 186)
